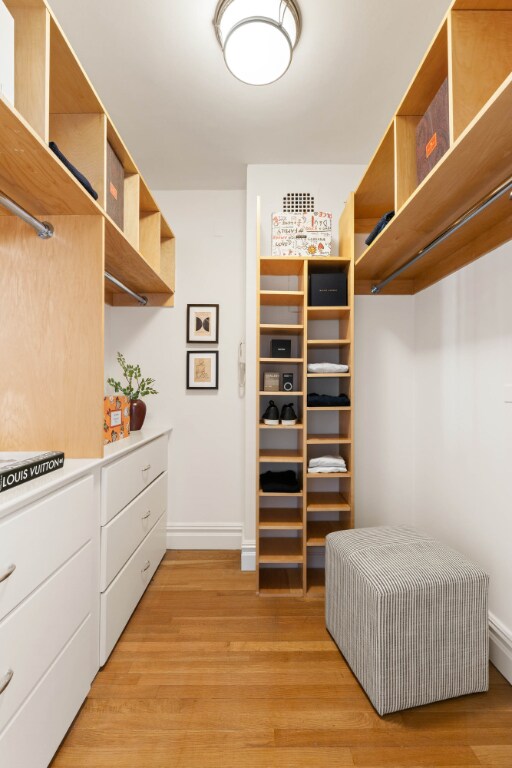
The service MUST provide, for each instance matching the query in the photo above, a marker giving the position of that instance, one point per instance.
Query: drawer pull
(146, 567)
(146, 469)
(5, 575)
(145, 517)
(4, 682)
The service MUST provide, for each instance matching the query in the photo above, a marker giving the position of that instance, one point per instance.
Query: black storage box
(281, 348)
(328, 289)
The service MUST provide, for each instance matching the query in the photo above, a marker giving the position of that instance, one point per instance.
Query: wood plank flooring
(208, 675)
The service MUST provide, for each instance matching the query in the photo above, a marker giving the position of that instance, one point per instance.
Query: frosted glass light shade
(257, 37)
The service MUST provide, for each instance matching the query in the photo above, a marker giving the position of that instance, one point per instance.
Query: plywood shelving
(277, 582)
(55, 101)
(472, 50)
(280, 518)
(280, 550)
(58, 286)
(282, 298)
(291, 528)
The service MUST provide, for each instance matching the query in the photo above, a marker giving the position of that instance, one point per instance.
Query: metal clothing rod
(143, 300)
(445, 235)
(43, 228)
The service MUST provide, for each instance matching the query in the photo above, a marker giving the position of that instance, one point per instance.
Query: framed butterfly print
(202, 323)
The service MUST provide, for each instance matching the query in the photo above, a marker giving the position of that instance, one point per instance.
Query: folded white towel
(325, 470)
(327, 368)
(327, 461)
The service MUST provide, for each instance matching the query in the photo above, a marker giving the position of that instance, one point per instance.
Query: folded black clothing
(279, 482)
(379, 227)
(76, 173)
(325, 401)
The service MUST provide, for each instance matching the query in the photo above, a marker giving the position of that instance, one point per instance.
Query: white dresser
(133, 534)
(77, 550)
(48, 621)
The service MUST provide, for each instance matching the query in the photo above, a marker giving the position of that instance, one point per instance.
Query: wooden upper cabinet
(472, 52)
(56, 101)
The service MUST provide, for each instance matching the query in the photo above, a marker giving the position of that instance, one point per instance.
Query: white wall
(384, 409)
(463, 442)
(206, 467)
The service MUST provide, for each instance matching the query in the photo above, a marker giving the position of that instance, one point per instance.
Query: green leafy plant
(136, 386)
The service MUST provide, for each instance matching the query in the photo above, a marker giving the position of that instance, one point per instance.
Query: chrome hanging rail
(43, 228)
(478, 208)
(143, 300)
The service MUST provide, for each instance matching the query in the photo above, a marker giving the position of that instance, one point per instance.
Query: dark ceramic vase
(137, 414)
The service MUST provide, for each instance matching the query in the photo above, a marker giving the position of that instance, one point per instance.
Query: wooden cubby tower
(291, 527)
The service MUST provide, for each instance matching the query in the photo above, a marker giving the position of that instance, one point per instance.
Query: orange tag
(113, 190)
(432, 144)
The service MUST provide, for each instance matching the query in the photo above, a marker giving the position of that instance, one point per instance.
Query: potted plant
(136, 388)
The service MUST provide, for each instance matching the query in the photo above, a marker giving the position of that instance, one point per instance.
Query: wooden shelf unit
(52, 290)
(55, 101)
(472, 50)
(291, 528)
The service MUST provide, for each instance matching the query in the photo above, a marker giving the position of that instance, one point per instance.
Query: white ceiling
(190, 125)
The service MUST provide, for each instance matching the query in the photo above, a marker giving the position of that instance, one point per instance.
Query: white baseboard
(224, 536)
(500, 647)
(248, 560)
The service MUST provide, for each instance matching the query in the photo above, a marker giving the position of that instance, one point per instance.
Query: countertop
(27, 493)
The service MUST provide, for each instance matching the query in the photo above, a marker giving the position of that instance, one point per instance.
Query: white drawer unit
(33, 635)
(121, 598)
(33, 735)
(124, 479)
(69, 584)
(121, 537)
(36, 541)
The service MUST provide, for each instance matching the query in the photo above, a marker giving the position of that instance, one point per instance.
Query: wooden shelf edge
(479, 160)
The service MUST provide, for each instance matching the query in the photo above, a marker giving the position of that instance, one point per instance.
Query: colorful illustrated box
(301, 234)
(116, 418)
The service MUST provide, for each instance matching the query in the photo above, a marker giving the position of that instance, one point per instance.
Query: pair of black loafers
(287, 418)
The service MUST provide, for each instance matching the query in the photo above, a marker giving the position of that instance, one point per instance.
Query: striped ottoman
(408, 614)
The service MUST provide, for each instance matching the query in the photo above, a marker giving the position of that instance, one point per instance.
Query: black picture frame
(211, 354)
(198, 335)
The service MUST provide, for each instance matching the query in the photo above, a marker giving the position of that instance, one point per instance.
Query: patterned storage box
(301, 234)
(116, 418)
(408, 614)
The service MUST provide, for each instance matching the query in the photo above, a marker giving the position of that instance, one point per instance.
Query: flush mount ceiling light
(257, 37)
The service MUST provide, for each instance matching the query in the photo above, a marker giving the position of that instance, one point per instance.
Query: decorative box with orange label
(433, 133)
(116, 418)
(115, 187)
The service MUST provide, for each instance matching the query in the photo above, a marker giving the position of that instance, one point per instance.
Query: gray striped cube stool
(408, 614)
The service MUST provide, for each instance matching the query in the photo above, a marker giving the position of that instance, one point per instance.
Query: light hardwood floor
(208, 675)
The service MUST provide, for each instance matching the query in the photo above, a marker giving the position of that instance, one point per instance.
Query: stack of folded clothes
(327, 368)
(327, 401)
(325, 465)
(279, 482)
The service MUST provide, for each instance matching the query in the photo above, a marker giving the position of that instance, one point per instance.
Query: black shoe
(288, 415)
(271, 415)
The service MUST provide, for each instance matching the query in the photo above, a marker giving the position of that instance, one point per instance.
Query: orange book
(116, 418)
